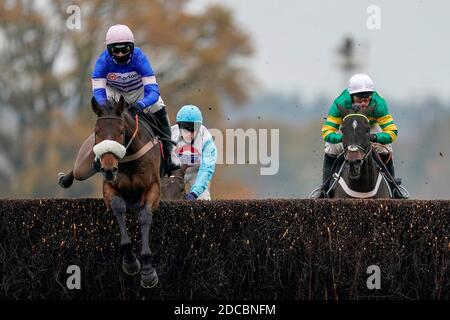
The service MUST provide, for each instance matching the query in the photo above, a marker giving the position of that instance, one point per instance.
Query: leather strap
(140, 153)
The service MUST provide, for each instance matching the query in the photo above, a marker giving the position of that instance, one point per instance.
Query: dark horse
(173, 187)
(359, 174)
(130, 163)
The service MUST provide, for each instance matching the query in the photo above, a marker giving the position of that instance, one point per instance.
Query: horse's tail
(65, 180)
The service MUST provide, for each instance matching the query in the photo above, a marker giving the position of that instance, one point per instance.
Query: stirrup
(404, 194)
(316, 190)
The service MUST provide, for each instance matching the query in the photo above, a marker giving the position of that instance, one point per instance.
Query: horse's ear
(95, 106)
(343, 110)
(121, 105)
(369, 110)
(356, 108)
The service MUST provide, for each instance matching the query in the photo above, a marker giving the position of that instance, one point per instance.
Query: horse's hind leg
(149, 277)
(130, 264)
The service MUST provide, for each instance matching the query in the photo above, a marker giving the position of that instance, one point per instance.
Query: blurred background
(247, 64)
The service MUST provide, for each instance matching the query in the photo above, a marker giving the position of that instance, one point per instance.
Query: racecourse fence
(252, 249)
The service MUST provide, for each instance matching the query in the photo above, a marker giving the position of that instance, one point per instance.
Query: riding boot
(395, 185)
(328, 162)
(166, 137)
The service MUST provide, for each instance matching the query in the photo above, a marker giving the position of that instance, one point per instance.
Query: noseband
(113, 146)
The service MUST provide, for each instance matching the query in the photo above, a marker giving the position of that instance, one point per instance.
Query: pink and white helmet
(119, 33)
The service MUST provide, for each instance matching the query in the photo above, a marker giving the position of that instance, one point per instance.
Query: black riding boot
(328, 162)
(397, 181)
(166, 136)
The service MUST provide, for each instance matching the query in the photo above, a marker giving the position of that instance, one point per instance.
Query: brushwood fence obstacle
(253, 249)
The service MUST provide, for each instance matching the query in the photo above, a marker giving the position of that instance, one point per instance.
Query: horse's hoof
(149, 281)
(132, 267)
(65, 181)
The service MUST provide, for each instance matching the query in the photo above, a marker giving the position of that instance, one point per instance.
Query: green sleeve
(334, 137)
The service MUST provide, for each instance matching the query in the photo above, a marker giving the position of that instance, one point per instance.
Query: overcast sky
(296, 40)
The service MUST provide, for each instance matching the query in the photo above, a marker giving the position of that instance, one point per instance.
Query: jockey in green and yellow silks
(380, 116)
(360, 91)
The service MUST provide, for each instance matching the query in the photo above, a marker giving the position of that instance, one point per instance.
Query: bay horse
(359, 175)
(125, 152)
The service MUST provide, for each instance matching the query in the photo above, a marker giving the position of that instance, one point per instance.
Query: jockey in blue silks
(123, 69)
(196, 149)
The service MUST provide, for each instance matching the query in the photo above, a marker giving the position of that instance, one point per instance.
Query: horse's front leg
(149, 277)
(130, 263)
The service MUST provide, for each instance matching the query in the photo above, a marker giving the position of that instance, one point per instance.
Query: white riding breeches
(132, 97)
(189, 179)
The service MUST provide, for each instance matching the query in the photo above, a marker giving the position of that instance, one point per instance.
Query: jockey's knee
(384, 149)
(333, 149)
(158, 105)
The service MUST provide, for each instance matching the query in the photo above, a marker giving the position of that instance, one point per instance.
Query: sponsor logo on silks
(111, 76)
(189, 155)
(122, 77)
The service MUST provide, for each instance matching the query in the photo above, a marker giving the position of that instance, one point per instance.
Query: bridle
(113, 146)
(123, 120)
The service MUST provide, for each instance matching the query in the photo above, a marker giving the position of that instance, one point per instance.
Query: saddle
(148, 124)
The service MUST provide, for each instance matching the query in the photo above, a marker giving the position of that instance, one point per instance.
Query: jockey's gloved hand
(191, 196)
(135, 109)
(373, 137)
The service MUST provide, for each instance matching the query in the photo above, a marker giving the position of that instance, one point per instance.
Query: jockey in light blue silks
(195, 148)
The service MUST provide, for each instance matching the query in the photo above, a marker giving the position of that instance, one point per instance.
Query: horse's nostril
(115, 170)
(109, 176)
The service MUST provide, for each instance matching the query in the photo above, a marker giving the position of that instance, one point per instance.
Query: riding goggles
(117, 48)
(188, 126)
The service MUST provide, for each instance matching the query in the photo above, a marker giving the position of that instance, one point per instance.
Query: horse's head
(356, 137)
(109, 136)
(172, 188)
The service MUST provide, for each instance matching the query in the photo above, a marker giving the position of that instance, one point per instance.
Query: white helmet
(119, 33)
(360, 83)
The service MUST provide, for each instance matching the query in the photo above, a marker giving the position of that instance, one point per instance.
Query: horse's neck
(143, 136)
(368, 177)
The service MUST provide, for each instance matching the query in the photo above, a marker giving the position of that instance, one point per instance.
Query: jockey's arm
(331, 126)
(151, 87)
(386, 122)
(99, 80)
(207, 168)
